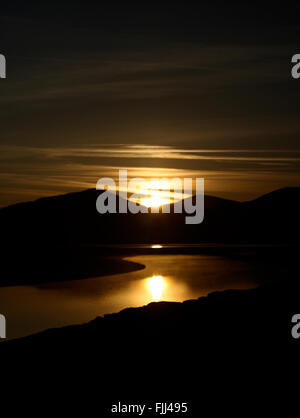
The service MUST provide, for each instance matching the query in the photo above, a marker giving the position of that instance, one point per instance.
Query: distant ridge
(72, 219)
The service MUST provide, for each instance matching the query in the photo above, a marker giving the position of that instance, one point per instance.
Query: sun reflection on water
(156, 284)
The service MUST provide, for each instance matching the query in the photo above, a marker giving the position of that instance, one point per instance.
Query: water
(29, 309)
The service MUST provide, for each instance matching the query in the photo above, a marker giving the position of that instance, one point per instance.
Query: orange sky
(163, 91)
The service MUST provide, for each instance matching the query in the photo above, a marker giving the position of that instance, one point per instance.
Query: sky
(172, 89)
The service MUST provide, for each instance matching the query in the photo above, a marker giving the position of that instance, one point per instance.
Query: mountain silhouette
(72, 220)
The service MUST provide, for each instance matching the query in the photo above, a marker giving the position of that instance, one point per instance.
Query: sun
(152, 193)
(154, 201)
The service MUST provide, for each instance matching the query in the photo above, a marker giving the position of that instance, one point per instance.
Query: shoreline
(93, 267)
(204, 309)
(79, 263)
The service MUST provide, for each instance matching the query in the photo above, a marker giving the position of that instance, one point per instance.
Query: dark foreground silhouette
(226, 353)
(72, 219)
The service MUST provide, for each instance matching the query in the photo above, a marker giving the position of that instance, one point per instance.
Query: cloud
(172, 70)
(32, 171)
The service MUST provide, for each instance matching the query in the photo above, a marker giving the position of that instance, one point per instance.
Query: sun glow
(154, 201)
(155, 193)
(156, 285)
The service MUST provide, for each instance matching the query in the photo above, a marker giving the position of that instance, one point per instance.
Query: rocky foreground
(227, 348)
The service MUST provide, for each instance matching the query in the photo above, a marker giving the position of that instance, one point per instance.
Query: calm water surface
(29, 309)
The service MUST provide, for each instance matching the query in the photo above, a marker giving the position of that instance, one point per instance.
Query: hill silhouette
(64, 237)
(72, 219)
